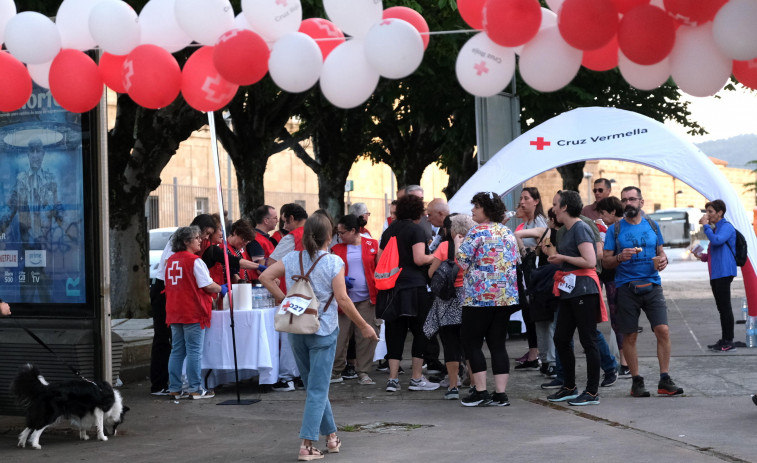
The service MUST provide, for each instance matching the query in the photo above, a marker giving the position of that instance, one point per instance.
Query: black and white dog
(83, 403)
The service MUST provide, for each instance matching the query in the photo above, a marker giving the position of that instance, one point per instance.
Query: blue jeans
(315, 358)
(187, 343)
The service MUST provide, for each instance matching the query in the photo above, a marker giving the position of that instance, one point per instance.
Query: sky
(734, 113)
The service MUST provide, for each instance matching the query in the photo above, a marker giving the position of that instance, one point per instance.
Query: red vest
(265, 243)
(369, 248)
(297, 234)
(185, 302)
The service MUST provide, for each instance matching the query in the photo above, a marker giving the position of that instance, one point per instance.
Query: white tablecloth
(257, 347)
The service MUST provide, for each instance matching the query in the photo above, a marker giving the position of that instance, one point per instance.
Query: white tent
(609, 133)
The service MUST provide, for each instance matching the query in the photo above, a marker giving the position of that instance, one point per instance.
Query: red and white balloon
(202, 85)
(394, 48)
(484, 68)
(273, 19)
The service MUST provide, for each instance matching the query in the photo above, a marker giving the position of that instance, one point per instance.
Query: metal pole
(105, 319)
(175, 202)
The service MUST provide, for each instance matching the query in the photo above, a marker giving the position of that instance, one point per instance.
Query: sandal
(334, 445)
(365, 380)
(312, 454)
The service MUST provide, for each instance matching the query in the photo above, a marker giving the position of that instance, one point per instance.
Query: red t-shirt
(441, 254)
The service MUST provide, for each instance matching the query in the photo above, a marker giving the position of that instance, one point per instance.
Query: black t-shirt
(408, 234)
(214, 255)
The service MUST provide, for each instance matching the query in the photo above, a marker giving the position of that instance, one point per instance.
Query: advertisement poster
(42, 252)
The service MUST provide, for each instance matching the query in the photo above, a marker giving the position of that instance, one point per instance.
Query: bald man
(437, 211)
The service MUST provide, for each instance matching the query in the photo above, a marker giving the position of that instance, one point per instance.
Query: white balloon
(697, 65)
(204, 20)
(7, 11)
(347, 80)
(548, 19)
(643, 77)
(295, 62)
(32, 38)
(72, 20)
(394, 48)
(114, 26)
(240, 22)
(734, 29)
(273, 19)
(354, 17)
(158, 26)
(484, 68)
(547, 62)
(40, 73)
(555, 5)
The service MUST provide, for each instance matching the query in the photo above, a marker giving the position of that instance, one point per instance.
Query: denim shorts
(630, 305)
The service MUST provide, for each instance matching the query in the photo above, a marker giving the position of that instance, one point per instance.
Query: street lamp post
(588, 176)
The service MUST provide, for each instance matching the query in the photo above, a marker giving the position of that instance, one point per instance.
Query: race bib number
(295, 305)
(568, 283)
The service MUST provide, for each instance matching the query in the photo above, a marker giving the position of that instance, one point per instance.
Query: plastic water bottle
(744, 309)
(259, 303)
(751, 332)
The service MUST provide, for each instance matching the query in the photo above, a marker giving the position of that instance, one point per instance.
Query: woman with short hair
(314, 353)
(487, 254)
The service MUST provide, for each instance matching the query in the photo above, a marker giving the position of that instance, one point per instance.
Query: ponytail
(316, 234)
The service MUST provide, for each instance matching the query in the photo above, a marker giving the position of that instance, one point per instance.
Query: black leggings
(396, 332)
(490, 323)
(578, 312)
(453, 348)
(721, 289)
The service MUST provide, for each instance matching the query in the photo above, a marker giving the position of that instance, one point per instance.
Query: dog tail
(28, 384)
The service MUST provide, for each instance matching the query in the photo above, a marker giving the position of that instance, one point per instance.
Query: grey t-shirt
(539, 221)
(320, 279)
(579, 233)
(285, 246)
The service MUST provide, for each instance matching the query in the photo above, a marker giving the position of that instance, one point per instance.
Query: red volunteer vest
(185, 302)
(262, 239)
(297, 235)
(369, 248)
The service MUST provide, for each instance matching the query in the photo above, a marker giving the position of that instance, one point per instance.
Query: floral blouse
(488, 255)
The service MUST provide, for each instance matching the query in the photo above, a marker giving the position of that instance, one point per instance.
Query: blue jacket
(722, 249)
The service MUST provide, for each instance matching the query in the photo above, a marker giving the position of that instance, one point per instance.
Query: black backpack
(443, 281)
(741, 249)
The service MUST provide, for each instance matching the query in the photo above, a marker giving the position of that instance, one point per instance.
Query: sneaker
(163, 391)
(624, 371)
(666, 386)
(202, 394)
(499, 399)
(543, 368)
(383, 365)
(717, 345)
(336, 378)
(551, 372)
(445, 382)
(178, 395)
(435, 367)
(477, 399)
(554, 384)
(529, 365)
(452, 394)
(586, 398)
(637, 387)
(727, 346)
(422, 384)
(563, 394)
(298, 384)
(365, 380)
(393, 385)
(283, 385)
(610, 378)
(349, 372)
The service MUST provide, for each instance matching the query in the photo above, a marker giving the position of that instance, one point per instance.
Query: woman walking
(314, 353)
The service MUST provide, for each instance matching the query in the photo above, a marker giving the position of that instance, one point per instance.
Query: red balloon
(202, 85)
(324, 32)
(693, 12)
(75, 81)
(112, 71)
(151, 76)
(15, 83)
(646, 35)
(413, 17)
(602, 59)
(472, 12)
(624, 6)
(241, 56)
(511, 23)
(587, 24)
(746, 73)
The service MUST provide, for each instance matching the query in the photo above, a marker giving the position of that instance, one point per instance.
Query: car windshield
(159, 239)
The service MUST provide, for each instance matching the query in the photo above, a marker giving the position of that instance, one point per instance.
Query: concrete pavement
(712, 422)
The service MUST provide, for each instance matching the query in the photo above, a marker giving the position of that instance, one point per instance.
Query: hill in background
(737, 151)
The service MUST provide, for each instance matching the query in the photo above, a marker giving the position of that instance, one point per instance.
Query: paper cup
(656, 260)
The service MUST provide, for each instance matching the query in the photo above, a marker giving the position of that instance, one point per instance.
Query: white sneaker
(283, 386)
(422, 385)
(202, 394)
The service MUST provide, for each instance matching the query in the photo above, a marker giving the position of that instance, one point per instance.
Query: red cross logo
(128, 73)
(281, 2)
(481, 68)
(216, 90)
(539, 143)
(175, 272)
(385, 22)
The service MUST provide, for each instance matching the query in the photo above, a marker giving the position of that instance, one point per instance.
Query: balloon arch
(608, 133)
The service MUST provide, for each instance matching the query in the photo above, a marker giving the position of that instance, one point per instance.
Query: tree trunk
(572, 175)
(250, 184)
(460, 174)
(128, 254)
(331, 192)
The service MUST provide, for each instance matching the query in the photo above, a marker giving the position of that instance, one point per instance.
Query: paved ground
(713, 421)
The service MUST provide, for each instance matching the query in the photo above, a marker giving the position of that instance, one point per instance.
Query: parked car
(678, 225)
(158, 239)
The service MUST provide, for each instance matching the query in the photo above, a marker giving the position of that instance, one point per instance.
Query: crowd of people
(567, 269)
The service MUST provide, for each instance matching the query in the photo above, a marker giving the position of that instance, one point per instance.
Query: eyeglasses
(340, 233)
(629, 200)
(598, 190)
(198, 238)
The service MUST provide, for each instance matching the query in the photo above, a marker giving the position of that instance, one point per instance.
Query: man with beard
(635, 250)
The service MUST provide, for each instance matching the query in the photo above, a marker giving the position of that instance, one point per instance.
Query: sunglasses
(598, 190)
